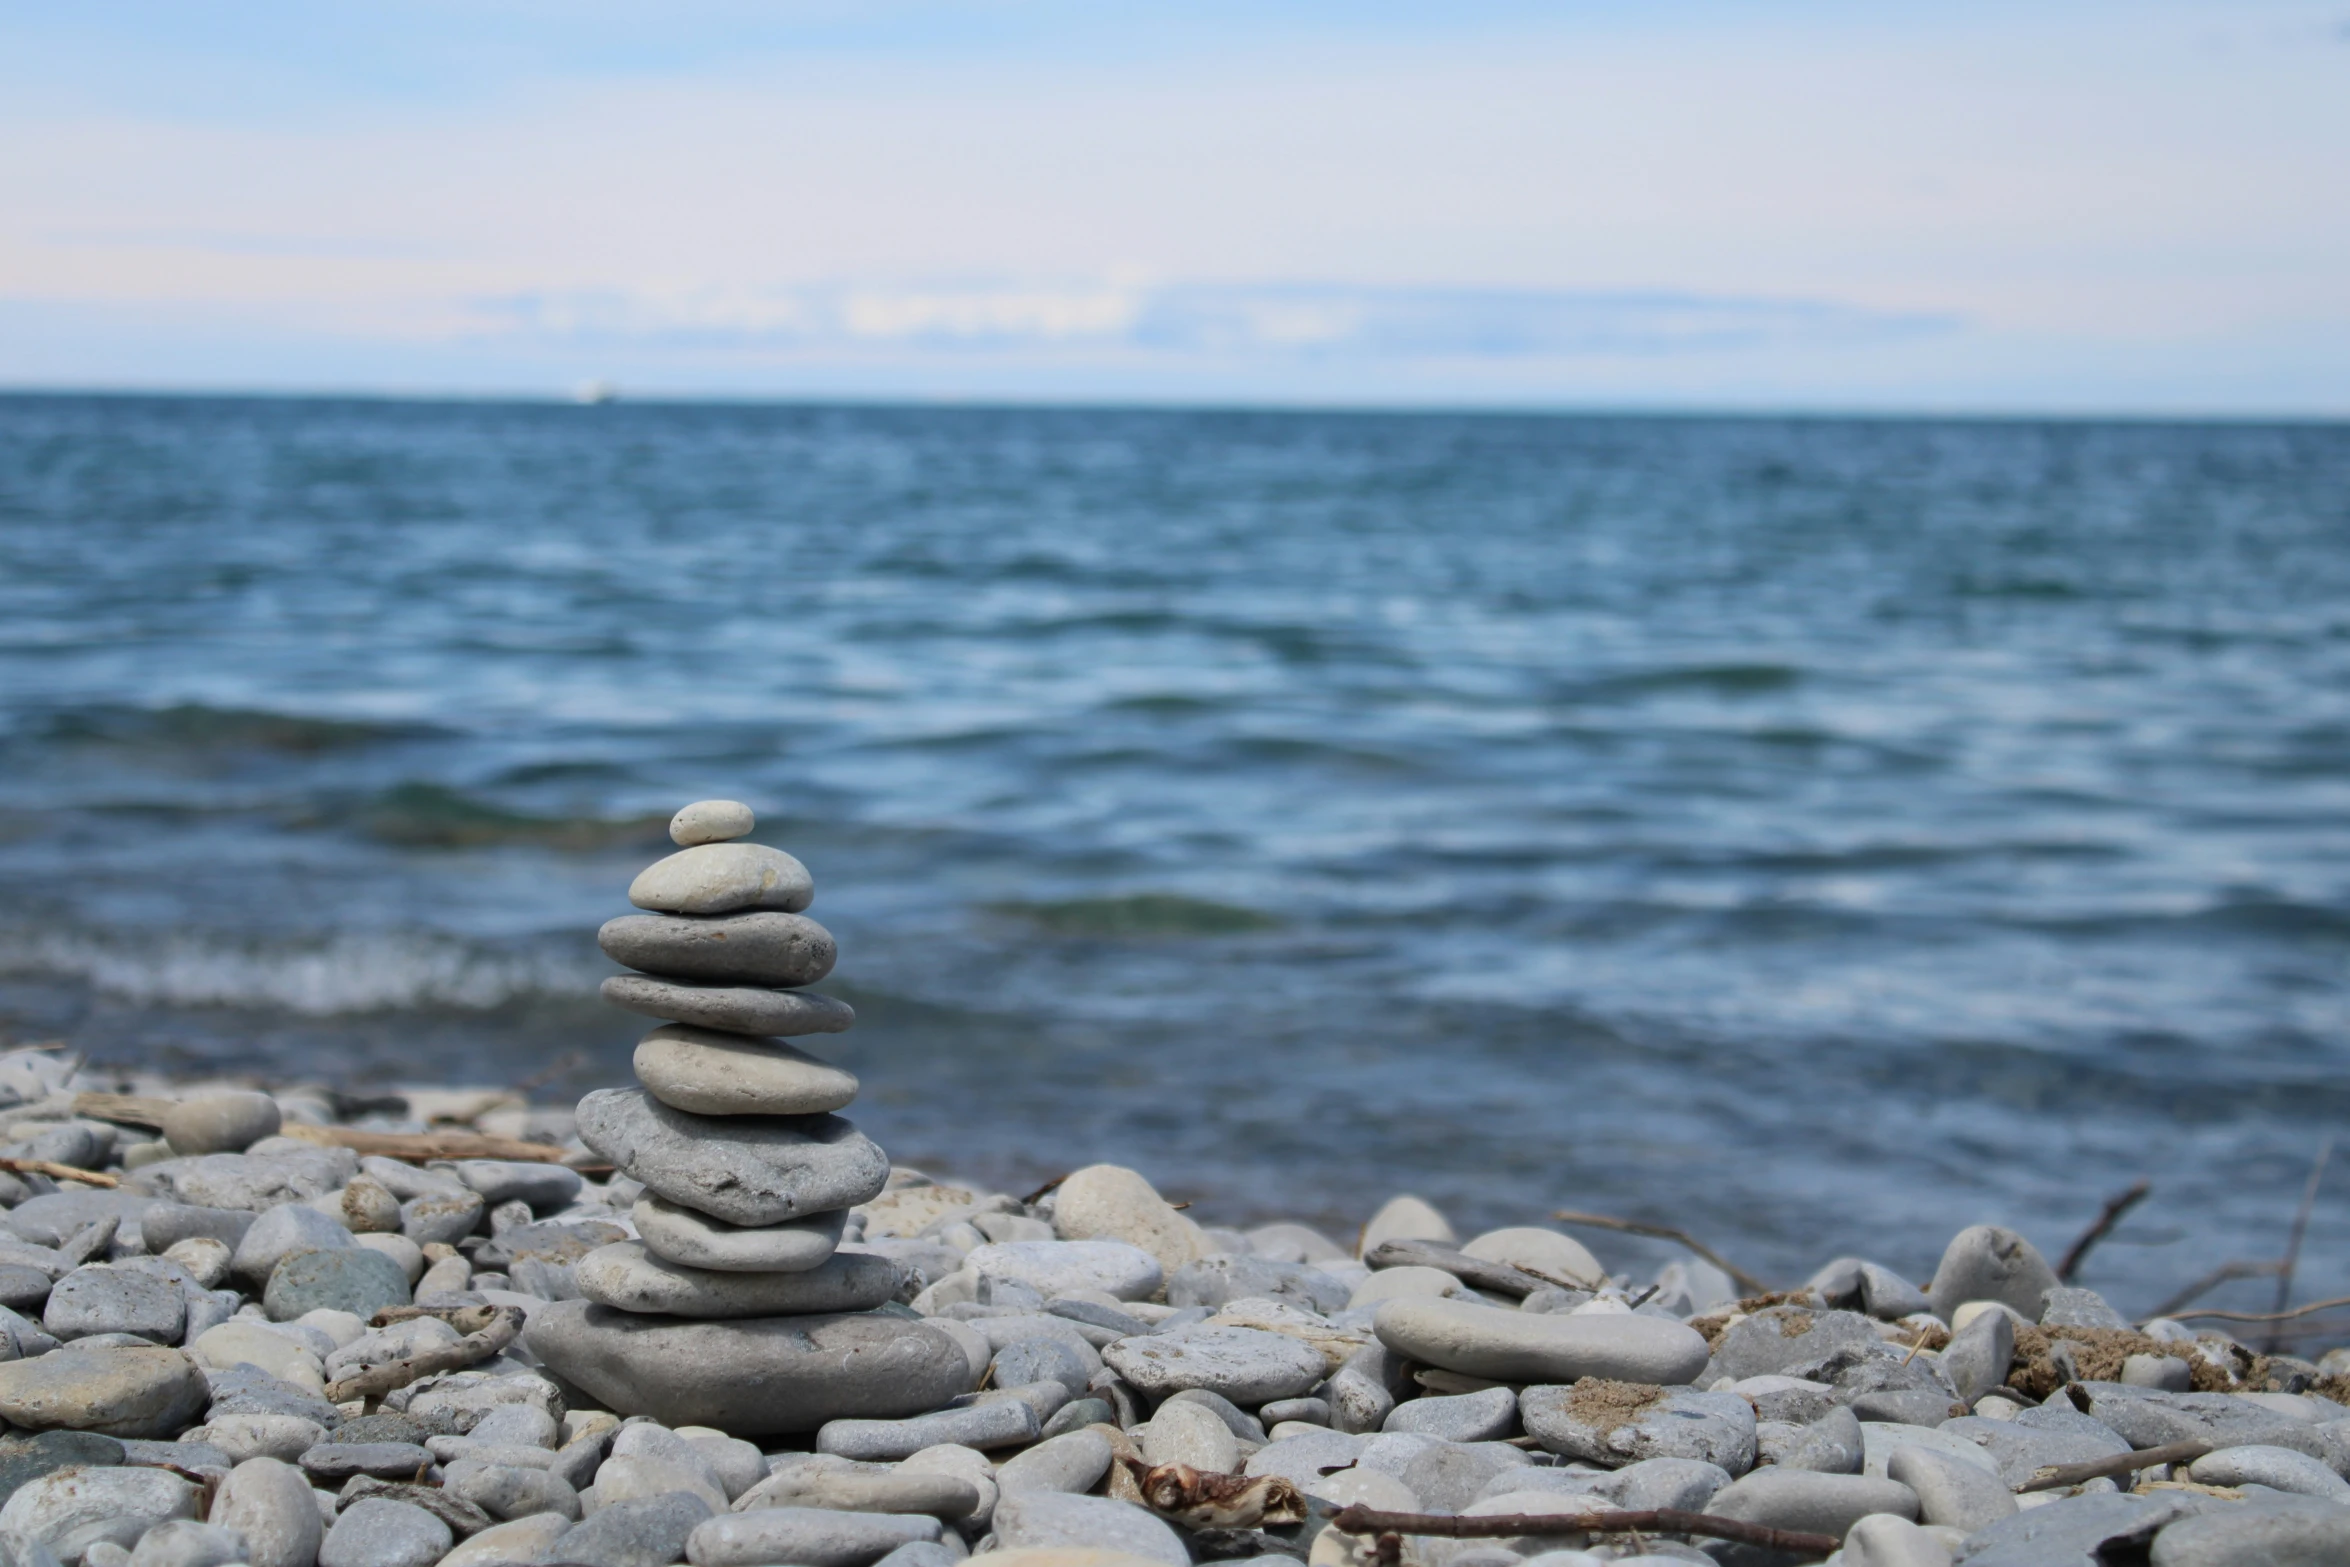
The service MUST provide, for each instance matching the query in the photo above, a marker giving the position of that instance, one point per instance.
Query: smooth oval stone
(709, 1073)
(711, 821)
(758, 1376)
(353, 1279)
(695, 1240)
(145, 1392)
(1245, 1365)
(229, 1121)
(743, 1169)
(760, 948)
(1515, 1346)
(808, 1536)
(733, 1009)
(630, 1278)
(720, 878)
(271, 1505)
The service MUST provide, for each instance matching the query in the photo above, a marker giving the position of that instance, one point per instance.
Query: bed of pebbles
(705, 1321)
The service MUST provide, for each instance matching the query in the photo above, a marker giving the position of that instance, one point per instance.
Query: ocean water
(1817, 834)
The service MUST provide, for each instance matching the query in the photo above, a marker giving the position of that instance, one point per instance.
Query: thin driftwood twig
(2310, 1310)
(60, 1172)
(1359, 1519)
(2049, 1477)
(2102, 1226)
(417, 1147)
(2292, 1257)
(374, 1382)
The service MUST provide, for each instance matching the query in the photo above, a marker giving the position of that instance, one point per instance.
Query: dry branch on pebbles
(296, 1344)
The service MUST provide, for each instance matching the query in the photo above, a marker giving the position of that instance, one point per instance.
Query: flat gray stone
(2079, 1531)
(1218, 1281)
(70, 1510)
(2019, 1449)
(1516, 1346)
(1063, 1267)
(723, 878)
(24, 1459)
(355, 1279)
(2150, 1417)
(695, 1240)
(629, 1278)
(706, 1072)
(281, 1232)
(1300, 1459)
(548, 1240)
(1003, 1423)
(100, 1298)
(764, 948)
(1810, 1502)
(249, 1390)
(120, 1392)
(166, 1224)
(2067, 1305)
(1834, 1444)
(228, 1120)
(1613, 1423)
(1951, 1491)
(861, 1490)
(335, 1462)
(1246, 1365)
(544, 1186)
(1985, 1262)
(2244, 1538)
(711, 821)
(1464, 1417)
(805, 1536)
(1790, 1341)
(444, 1216)
(275, 1171)
(1045, 1360)
(183, 1542)
(1073, 1463)
(1048, 1520)
(508, 1491)
(1978, 1355)
(1445, 1477)
(743, 1169)
(649, 1533)
(732, 1009)
(750, 1377)
(2278, 1468)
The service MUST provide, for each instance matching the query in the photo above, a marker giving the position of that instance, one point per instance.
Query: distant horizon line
(619, 397)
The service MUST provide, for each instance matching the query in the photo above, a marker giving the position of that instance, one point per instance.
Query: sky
(1983, 207)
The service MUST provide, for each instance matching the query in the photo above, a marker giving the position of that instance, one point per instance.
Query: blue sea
(1819, 834)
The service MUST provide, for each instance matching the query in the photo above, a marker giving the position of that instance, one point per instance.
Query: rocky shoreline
(705, 1320)
(293, 1341)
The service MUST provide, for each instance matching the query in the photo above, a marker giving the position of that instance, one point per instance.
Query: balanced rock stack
(735, 1307)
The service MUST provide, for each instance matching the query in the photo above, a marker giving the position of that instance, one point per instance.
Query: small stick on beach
(60, 1172)
(2295, 1314)
(417, 1147)
(389, 1377)
(1359, 1519)
(2115, 1207)
(2211, 1281)
(1665, 1232)
(2292, 1257)
(2049, 1477)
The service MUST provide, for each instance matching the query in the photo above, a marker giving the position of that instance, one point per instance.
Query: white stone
(1404, 1218)
(711, 821)
(719, 878)
(1544, 1253)
(1112, 1203)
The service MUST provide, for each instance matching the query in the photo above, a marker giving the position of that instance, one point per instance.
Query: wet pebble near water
(710, 1323)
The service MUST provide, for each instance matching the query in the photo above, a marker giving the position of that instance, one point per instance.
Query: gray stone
(1515, 1346)
(2278, 1468)
(26, 1458)
(285, 1437)
(378, 1532)
(507, 1492)
(1881, 1441)
(707, 1072)
(399, 1341)
(2065, 1305)
(1002, 1423)
(695, 1240)
(352, 1279)
(282, 1232)
(1217, 1281)
(446, 1217)
(148, 1391)
(69, 1510)
(869, 1490)
(183, 1542)
(544, 1186)
(458, 1401)
(743, 1169)
(1043, 1360)
(1246, 1365)
(711, 821)
(1465, 1417)
(721, 878)
(1882, 1540)
(518, 1425)
(1790, 1341)
(277, 1170)
(1062, 1267)
(929, 1553)
(548, 1240)
(335, 1462)
(650, 1533)
(2246, 1538)
(1951, 1491)
(1181, 1433)
(54, 1217)
(1614, 1423)
(1834, 1444)
(2170, 1373)
(1447, 1476)
(100, 1298)
(2148, 1417)
(249, 1390)
(1978, 1356)
(1074, 1462)
(2021, 1449)
(1048, 1520)
(226, 1121)
(523, 1540)
(1362, 1390)
(1907, 1406)
(1682, 1484)
(773, 950)
(733, 1009)
(1244, 1426)
(1815, 1503)
(1305, 1411)
(1076, 1415)
(806, 1536)
(2079, 1531)
(23, 1288)
(1985, 1262)
(167, 1224)
(1795, 1399)
(629, 1278)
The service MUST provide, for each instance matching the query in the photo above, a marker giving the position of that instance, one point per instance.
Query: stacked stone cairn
(735, 1308)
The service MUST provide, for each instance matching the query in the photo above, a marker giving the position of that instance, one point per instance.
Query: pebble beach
(703, 1319)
